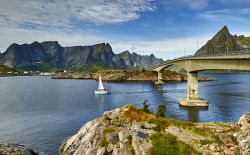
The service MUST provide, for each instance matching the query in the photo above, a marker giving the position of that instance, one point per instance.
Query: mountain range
(225, 43)
(50, 55)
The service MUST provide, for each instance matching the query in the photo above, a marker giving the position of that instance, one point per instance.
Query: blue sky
(162, 27)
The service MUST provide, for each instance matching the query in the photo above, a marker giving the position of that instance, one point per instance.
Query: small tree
(161, 111)
(146, 106)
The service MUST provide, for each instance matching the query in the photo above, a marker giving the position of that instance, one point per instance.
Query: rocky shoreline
(129, 130)
(15, 149)
(127, 76)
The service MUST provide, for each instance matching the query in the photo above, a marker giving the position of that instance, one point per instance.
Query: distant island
(126, 76)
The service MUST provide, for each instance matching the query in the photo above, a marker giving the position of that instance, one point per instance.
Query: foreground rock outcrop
(129, 130)
(15, 149)
(243, 135)
(110, 133)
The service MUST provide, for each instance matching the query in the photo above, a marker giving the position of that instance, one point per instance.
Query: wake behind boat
(101, 90)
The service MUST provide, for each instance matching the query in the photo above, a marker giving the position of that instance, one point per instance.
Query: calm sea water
(40, 112)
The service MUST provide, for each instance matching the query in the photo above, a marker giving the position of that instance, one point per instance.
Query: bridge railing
(237, 52)
(186, 56)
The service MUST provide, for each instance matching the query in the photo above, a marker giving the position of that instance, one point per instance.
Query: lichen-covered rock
(112, 134)
(127, 131)
(86, 141)
(15, 149)
(243, 136)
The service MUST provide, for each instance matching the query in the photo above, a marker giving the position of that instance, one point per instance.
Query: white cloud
(234, 1)
(165, 49)
(62, 13)
(197, 5)
(190, 4)
(21, 36)
(225, 15)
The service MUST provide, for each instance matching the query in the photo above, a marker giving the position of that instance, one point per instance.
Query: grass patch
(5, 69)
(105, 131)
(13, 153)
(162, 123)
(167, 144)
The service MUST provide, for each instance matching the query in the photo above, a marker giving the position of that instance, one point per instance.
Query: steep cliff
(51, 55)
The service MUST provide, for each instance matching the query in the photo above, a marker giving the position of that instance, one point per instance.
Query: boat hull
(101, 92)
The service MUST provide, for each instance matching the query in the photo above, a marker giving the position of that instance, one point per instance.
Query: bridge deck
(229, 57)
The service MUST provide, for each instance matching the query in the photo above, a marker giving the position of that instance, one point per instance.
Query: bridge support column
(192, 92)
(159, 79)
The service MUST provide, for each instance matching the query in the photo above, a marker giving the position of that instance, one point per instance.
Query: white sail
(100, 87)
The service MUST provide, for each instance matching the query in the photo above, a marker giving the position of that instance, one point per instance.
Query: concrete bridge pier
(192, 92)
(159, 79)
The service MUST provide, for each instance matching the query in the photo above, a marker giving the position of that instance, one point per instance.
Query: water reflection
(193, 112)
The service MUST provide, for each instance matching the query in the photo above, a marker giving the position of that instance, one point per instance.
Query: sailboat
(101, 90)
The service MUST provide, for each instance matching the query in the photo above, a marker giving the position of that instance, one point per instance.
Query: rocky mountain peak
(224, 29)
(125, 53)
(224, 43)
(222, 36)
(49, 43)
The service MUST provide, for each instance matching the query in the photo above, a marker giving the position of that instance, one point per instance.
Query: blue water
(40, 112)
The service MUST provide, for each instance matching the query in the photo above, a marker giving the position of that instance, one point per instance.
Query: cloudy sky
(162, 27)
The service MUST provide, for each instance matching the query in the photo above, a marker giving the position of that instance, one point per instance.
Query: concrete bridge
(193, 65)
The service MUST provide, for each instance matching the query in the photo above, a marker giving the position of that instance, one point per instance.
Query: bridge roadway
(193, 65)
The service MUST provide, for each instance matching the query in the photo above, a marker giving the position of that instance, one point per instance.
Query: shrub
(161, 111)
(146, 106)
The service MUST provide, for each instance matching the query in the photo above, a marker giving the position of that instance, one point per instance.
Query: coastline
(131, 130)
(127, 76)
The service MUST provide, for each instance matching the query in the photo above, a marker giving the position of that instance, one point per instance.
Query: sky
(166, 28)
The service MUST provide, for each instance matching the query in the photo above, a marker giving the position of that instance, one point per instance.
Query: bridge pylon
(192, 92)
(159, 79)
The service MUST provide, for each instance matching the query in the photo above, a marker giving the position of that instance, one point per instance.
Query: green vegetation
(44, 67)
(167, 144)
(105, 131)
(146, 106)
(163, 142)
(12, 153)
(161, 123)
(161, 111)
(5, 69)
(85, 68)
(47, 67)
